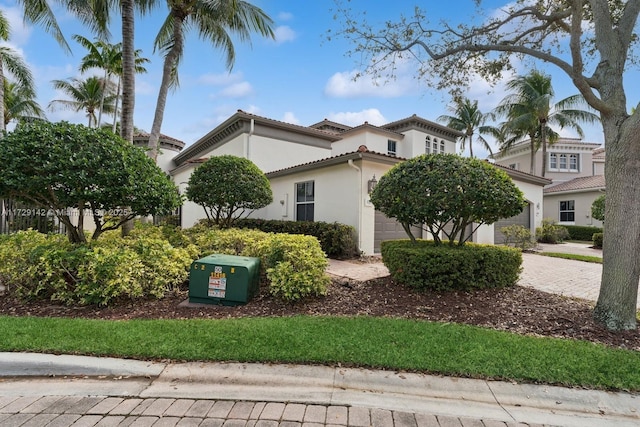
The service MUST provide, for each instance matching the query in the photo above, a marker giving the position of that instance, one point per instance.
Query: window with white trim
(305, 195)
(442, 146)
(574, 164)
(427, 145)
(564, 162)
(567, 211)
(391, 147)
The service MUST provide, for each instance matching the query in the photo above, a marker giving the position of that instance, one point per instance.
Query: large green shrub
(445, 193)
(581, 232)
(597, 240)
(337, 240)
(227, 187)
(294, 264)
(551, 232)
(518, 236)
(427, 266)
(597, 208)
(68, 170)
(37, 266)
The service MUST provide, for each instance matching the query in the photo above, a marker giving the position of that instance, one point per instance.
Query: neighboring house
(576, 169)
(570, 202)
(324, 172)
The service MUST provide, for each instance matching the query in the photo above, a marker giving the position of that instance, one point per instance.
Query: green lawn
(361, 341)
(585, 258)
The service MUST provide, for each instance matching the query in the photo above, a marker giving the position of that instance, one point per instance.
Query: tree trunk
(3, 126)
(471, 146)
(115, 112)
(128, 81)
(532, 170)
(128, 70)
(104, 91)
(543, 142)
(616, 306)
(170, 61)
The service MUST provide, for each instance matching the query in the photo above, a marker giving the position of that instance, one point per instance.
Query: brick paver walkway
(61, 411)
(567, 277)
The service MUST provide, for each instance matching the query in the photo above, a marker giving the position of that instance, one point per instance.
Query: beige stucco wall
(532, 194)
(523, 159)
(415, 143)
(267, 153)
(373, 141)
(583, 202)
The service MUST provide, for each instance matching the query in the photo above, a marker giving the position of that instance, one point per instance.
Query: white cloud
(284, 33)
(285, 16)
(371, 115)
(345, 85)
(238, 90)
(290, 117)
(20, 33)
(145, 88)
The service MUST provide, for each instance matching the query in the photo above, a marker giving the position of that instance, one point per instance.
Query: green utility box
(224, 279)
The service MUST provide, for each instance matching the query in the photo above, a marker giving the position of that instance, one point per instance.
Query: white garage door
(389, 229)
(523, 219)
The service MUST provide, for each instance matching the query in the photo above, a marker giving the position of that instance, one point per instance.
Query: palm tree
(138, 68)
(468, 118)
(529, 110)
(14, 64)
(85, 95)
(20, 103)
(102, 55)
(215, 21)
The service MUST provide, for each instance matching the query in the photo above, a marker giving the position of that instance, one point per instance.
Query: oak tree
(592, 42)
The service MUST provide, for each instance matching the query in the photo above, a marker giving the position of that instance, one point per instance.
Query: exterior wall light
(371, 184)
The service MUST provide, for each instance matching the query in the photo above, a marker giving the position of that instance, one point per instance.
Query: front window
(563, 161)
(442, 146)
(553, 161)
(435, 146)
(391, 148)
(574, 165)
(305, 194)
(427, 145)
(567, 211)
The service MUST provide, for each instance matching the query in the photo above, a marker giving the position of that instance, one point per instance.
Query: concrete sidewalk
(85, 391)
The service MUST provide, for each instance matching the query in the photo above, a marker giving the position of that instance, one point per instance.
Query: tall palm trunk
(128, 81)
(104, 91)
(128, 70)
(115, 111)
(532, 170)
(543, 142)
(471, 145)
(170, 61)
(2, 127)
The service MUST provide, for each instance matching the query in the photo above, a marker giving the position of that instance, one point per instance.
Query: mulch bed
(516, 309)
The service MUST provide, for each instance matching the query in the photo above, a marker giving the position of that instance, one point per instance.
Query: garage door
(523, 219)
(389, 229)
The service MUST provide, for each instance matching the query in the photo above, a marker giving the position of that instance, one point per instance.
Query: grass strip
(387, 343)
(585, 258)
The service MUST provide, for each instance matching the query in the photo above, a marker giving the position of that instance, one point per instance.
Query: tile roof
(595, 182)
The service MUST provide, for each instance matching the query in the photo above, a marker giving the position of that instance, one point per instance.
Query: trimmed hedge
(581, 232)
(337, 240)
(597, 240)
(426, 266)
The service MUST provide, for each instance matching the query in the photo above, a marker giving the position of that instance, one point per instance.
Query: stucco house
(324, 172)
(576, 169)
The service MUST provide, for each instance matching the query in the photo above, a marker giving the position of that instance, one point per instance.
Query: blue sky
(299, 78)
